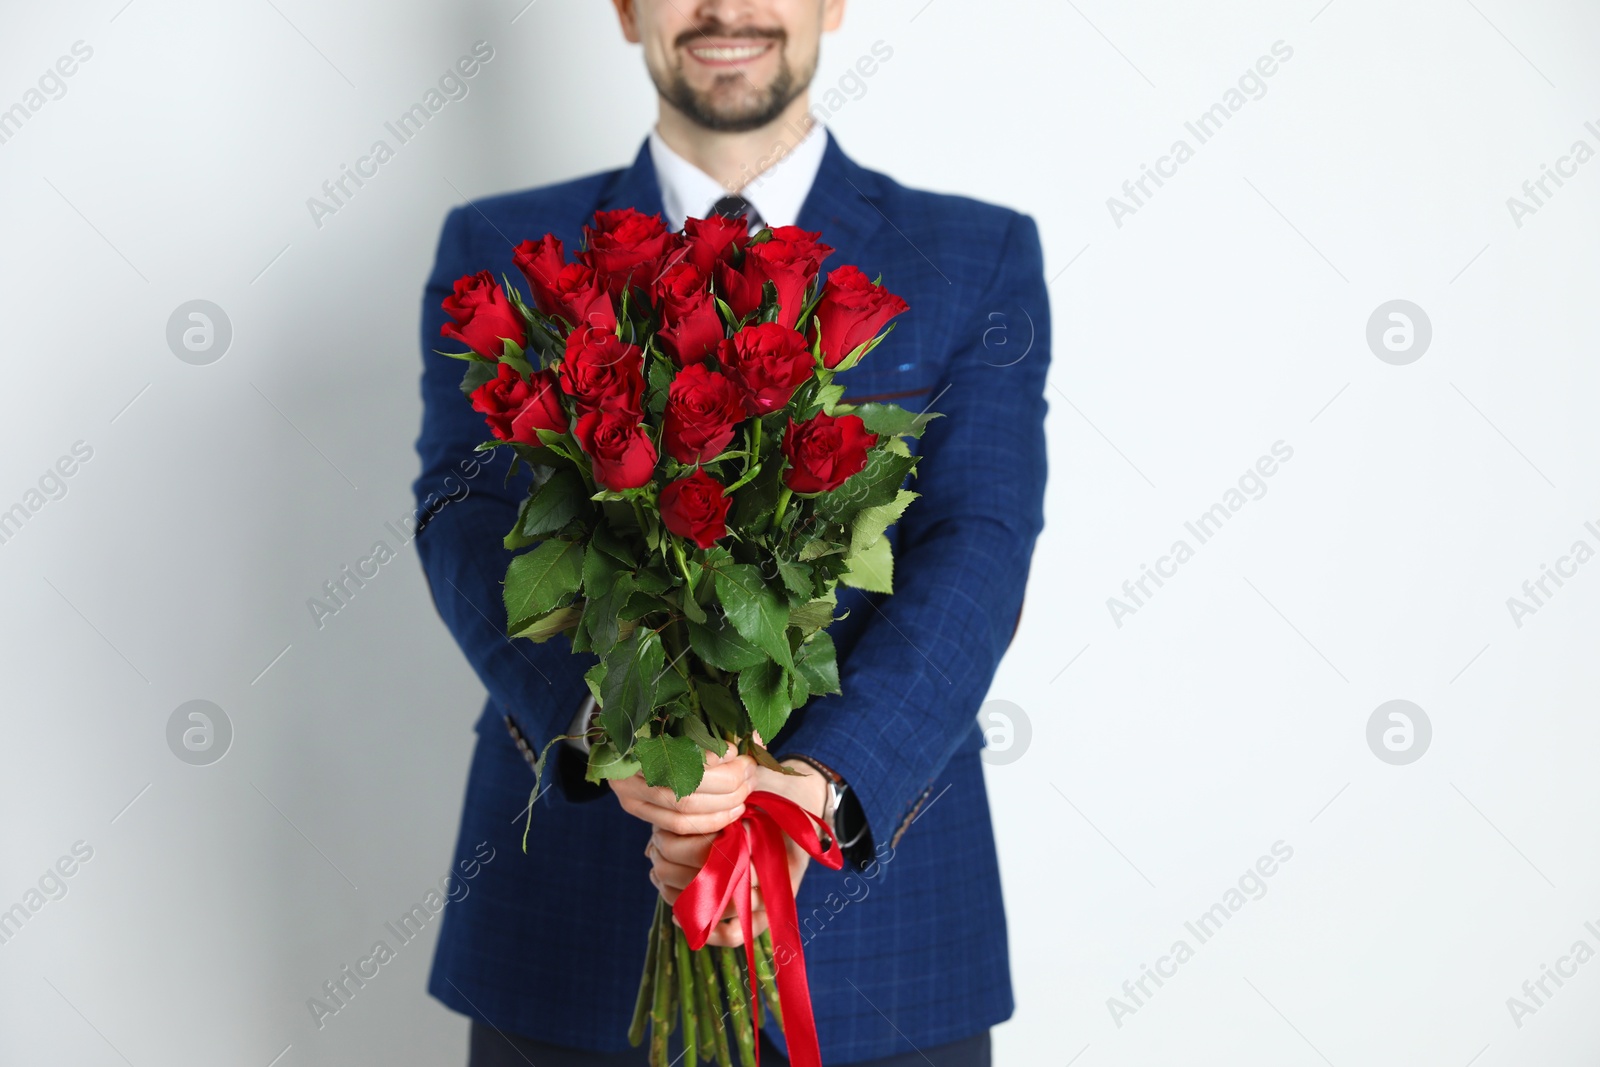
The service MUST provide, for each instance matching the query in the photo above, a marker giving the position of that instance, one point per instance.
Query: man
(906, 946)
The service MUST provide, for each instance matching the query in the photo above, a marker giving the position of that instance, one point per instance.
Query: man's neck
(736, 159)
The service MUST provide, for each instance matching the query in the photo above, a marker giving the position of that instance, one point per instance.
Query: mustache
(714, 28)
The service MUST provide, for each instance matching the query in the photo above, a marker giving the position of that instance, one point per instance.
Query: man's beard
(756, 108)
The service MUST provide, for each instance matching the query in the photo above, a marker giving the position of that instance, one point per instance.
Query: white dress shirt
(777, 195)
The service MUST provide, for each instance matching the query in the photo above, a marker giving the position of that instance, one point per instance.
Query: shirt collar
(777, 193)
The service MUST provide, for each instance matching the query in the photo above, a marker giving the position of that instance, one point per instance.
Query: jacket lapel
(635, 186)
(840, 203)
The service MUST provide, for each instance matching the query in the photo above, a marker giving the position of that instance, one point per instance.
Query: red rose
(539, 264)
(483, 319)
(619, 448)
(703, 410)
(823, 451)
(695, 508)
(516, 409)
(578, 297)
(850, 313)
(768, 361)
(570, 290)
(690, 326)
(625, 247)
(600, 371)
(714, 240)
(790, 261)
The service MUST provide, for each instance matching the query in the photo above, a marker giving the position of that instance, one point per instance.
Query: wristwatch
(842, 811)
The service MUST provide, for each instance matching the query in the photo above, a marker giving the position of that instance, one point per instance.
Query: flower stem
(783, 502)
(683, 565)
(705, 969)
(766, 971)
(738, 1005)
(743, 478)
(691, 1041)
(661, 1013)
(641, 1006)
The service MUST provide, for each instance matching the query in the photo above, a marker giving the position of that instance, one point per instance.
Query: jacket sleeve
(922, 665)
(465, 506)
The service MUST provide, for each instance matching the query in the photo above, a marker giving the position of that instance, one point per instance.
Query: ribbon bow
(756, 840)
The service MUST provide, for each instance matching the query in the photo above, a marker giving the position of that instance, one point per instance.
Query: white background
(1166, 754)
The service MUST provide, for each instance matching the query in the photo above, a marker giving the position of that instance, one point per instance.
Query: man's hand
(718, 801)
(685, 830)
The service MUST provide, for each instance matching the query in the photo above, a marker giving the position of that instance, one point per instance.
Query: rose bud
(540, 263)
(569, 290)
(790, 261)
(626, 247)
(703, 410)
(695, 508)
(620, 450)
(690, 326)
(768, 361)
(714, 240)
(824, 451)
(600, 371)
(850, 313)
(483, 319)
(516, 409)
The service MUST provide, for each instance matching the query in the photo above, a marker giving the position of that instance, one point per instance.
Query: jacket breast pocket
(901, 370)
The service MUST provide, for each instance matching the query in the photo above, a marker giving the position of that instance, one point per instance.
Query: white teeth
(726, 54)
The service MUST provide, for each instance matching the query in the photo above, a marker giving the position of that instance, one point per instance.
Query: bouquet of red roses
(699, 489)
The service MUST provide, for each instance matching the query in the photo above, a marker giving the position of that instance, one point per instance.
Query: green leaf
(641, 604)
(602, 616)
(877, 483)
(723, 647)
(659, 376)
(479, 371)
(694, 728)
(627, 693)
(829, 395)
(593, 677)
(557, 502)
(691, 607)
(872, 569)
(670, 688)
(755, 610)
(612, 544)
(718, 702)
(547, 626)
(606, 762)
(599, 569)
(819, 547)
(754, 503)
(796, 578)
(654, 580)
(674, 762)
(540, 581)
(512, 356)
(764, 689)
(815, 615)
(818, 664)
(870, 523)
(893, 420)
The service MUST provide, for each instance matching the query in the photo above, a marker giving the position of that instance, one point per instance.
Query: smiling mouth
(729, 54)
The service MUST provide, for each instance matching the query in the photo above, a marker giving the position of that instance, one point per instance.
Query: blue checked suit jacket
(909, 950)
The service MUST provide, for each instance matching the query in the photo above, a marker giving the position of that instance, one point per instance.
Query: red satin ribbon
(755, 840)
